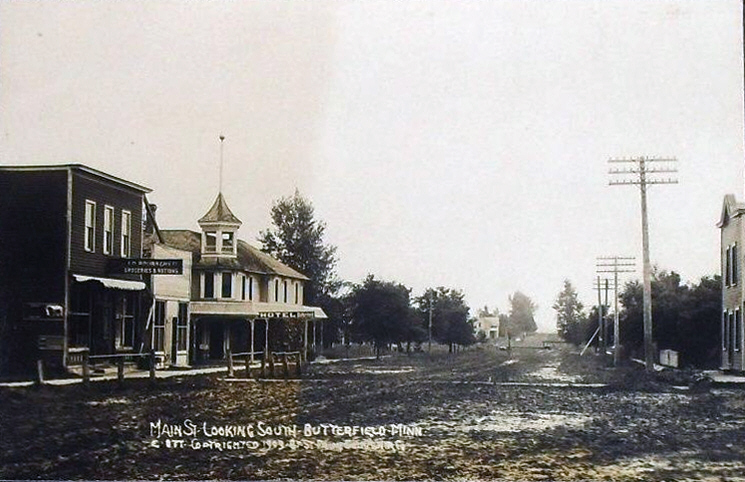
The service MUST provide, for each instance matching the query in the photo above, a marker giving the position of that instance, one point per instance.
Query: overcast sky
(458, 144)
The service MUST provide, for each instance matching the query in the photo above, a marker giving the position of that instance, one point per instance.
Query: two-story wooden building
(242, 299)
(732, 232)
(60, 228)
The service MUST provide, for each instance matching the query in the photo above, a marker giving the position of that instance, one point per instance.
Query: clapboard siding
(33, 235)
(102, 192)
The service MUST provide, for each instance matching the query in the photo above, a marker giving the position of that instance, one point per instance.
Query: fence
(82, 357)
(270, 365)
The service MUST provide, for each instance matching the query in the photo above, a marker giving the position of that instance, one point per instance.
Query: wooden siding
(33, 253)
(34, 231)
(102, 192)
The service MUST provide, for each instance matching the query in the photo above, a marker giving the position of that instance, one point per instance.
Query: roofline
(78, 167)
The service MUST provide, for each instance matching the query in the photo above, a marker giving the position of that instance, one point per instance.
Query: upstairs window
(284, 287)
(209, 285)
(108, 229)
(735, 267)
(726, 267)
(276, 290)
(90, 226)
(126, 234)
(297, 292)
(210, 242)
(243, 287)
(227, 242)
(250, 288)
(227, 285)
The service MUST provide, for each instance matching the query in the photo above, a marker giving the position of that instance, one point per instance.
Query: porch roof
(254, 309)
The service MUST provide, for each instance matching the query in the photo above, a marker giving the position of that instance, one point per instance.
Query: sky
(456, 144)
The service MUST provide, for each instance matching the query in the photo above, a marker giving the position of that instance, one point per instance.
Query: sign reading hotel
(145, 266)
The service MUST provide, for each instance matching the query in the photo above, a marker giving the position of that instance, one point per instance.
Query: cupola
(219, 227)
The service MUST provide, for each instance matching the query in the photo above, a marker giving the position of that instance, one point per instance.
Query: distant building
(732, 230)
(61, 226)
(489, 325)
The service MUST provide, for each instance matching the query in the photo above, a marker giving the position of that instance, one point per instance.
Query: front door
(217, 339)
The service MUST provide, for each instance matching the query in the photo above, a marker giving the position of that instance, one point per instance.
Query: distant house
(61, 228)
(732, 231)
(489, 325)
(242, 300)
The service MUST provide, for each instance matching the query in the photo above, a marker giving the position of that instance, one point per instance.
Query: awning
(119, 284)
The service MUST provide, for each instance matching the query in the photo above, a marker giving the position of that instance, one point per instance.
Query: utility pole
(615, 265)
(601, 328)
(429, 327)
(600, 285)
(638, 174)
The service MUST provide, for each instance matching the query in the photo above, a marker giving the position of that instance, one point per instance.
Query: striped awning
(117, 284)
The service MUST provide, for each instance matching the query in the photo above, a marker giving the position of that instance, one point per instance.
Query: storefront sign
(145, 266)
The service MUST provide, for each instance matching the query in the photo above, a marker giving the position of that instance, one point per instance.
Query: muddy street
(541, 414)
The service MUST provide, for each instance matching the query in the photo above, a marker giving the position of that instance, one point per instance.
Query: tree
(685, 318)
(521, 318)
(297, 239)
(450, 322)
(570, 318)
(381, 313)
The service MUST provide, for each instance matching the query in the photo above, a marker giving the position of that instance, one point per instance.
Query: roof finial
(222, 138)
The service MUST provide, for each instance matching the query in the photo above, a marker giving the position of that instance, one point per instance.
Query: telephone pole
(615, 265)
(638, 173)
(602, 284)
(429, 328)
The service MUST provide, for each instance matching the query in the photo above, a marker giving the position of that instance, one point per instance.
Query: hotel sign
(145, 266)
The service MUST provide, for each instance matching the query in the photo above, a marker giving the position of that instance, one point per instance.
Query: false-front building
(61, 228)
(732, 230)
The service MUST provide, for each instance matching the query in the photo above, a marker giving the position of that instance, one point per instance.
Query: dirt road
(476, 414)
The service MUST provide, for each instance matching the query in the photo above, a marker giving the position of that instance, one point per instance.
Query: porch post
(305, 339)
(226, 341)
(266, 339)
(252, 341)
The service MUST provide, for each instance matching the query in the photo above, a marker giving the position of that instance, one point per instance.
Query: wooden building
(242, 300)
(61, 228)
(732, 232)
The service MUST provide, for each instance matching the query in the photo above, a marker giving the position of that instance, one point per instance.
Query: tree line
(686, 317)
(375, 311)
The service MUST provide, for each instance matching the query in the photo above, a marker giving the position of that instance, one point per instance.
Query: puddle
(109, 401)
(382, 371)
(509, 421)
(552, 373)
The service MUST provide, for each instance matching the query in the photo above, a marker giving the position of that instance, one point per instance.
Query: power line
(638, 175)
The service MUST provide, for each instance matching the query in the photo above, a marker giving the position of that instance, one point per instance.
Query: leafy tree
(450, 322)
(685, 318)
(570, 319)
(297, 239)
(700, 335)
(381, 312)
(521, 318)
